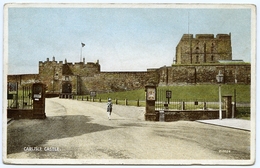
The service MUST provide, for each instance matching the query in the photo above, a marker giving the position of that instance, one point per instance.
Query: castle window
(212, 58)
(56, 77)
(197, 59)
(66, 78)
(197, 49)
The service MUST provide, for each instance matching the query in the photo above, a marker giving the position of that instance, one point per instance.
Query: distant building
(204, 48)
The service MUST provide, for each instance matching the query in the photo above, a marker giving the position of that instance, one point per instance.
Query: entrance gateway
(66, 91)
(66, 87)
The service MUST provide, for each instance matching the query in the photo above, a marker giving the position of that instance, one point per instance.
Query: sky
(121, 38)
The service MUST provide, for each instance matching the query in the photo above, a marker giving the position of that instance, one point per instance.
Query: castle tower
(50, 73)
(204, 48)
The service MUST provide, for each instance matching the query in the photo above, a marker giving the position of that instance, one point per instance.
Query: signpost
(168, 95)
(93, 94)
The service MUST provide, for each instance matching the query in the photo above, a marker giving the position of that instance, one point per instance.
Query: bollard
(183, 106)
(205, 106)
(116, 101)
(161, 116)
(99, 99)
(137, 102)
(126, 102)
(93, 99)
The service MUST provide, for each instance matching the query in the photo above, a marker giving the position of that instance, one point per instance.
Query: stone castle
(198, 60)
(203, 49)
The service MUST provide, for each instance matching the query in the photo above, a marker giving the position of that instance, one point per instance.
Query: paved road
(81, 130)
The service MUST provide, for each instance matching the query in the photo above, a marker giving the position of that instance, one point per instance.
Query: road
(81, 130)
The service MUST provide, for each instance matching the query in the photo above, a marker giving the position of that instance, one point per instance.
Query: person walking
(109, 108)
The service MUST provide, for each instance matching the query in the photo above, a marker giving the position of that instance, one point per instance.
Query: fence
(243, 110)
(173, 104)
(125, 102)
(184, 104)
(20, 99)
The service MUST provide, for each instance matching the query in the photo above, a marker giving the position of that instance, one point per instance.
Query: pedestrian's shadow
(33, 133)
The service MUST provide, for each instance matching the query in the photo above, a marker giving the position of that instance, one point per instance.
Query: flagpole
(80, 54)
(82, 45)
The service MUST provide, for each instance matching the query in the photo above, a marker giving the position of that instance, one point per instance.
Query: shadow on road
(33, 133)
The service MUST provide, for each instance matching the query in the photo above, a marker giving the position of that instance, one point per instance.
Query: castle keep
(204, 48)
(198, 61)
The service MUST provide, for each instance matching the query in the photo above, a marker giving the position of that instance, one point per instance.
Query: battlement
(187, 36)
(89, 64)
(205, 36)
(48, 61)
(223, 36)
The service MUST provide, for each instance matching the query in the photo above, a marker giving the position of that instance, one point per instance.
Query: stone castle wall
(122, 81)
(205, 74)
(24, 79)
(117, 81)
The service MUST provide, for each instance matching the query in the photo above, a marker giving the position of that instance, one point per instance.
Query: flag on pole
(82, 44)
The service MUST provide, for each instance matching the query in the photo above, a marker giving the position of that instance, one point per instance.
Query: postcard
(129, 84)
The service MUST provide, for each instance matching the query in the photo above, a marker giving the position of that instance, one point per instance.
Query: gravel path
(80, 130)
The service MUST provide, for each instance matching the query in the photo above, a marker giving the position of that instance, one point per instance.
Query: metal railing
(21, 99)
(184, 104)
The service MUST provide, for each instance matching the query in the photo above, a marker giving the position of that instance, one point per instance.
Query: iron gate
(19, 99)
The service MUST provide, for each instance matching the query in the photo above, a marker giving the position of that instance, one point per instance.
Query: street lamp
(219, 78)
(52, 86)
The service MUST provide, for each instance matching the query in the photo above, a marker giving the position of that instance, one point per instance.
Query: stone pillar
(38, 96)
(228, 105)
(150, 114)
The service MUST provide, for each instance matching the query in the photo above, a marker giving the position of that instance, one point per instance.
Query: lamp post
(219, 78)
(52, 86)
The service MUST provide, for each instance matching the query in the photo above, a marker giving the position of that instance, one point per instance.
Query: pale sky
(121, 38)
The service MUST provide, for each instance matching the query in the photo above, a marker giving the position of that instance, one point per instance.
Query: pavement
(230, 123)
